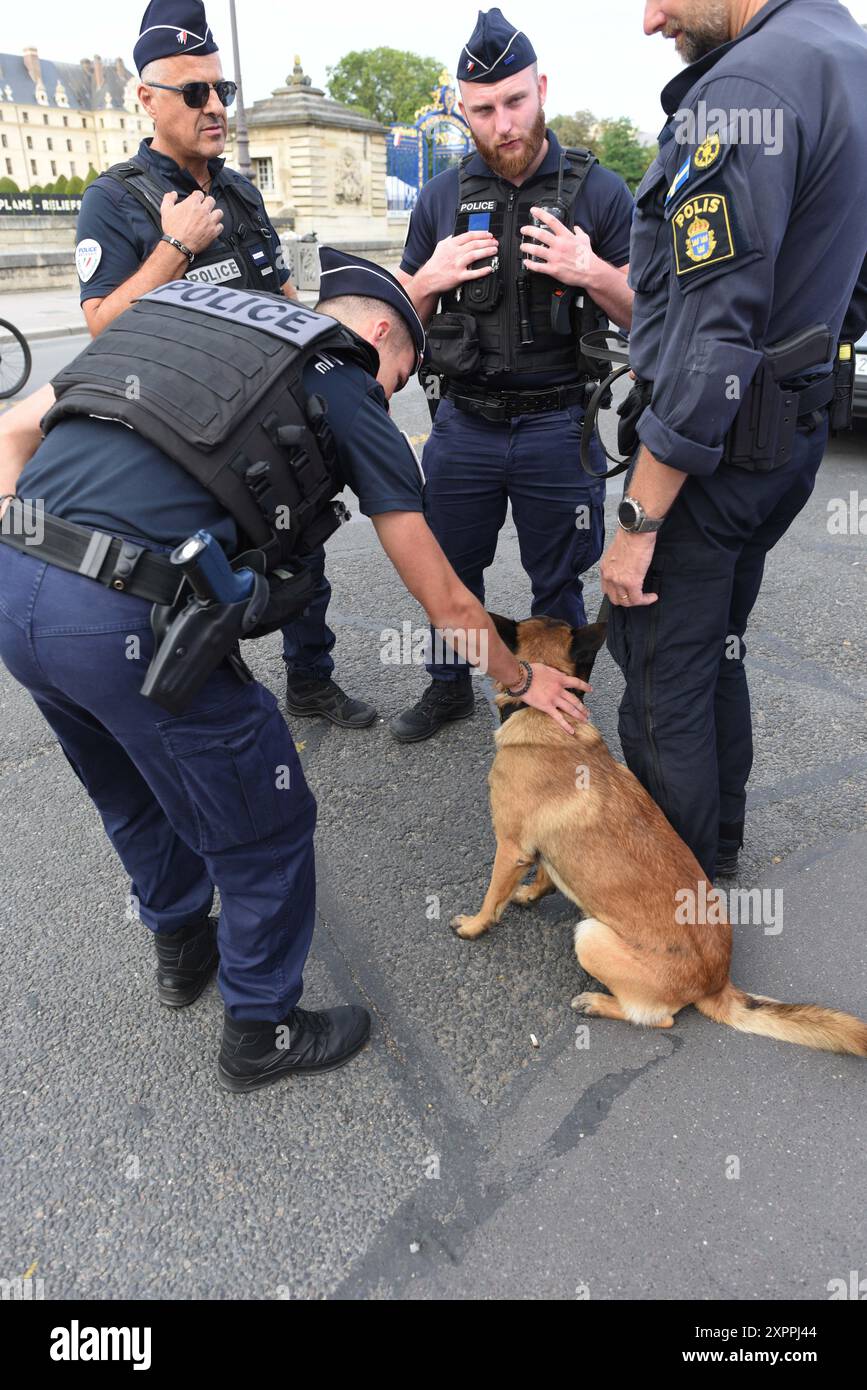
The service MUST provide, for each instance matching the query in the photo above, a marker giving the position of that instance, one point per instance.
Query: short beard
(708, 29)
(510, 165)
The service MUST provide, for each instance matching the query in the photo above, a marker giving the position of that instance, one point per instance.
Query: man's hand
(624, 566)
(452, 262)
(565, 256)
(196, 221)
(551, 692)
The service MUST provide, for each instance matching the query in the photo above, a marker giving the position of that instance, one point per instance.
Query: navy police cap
(170, 28)
(345, 274)
(496, 49)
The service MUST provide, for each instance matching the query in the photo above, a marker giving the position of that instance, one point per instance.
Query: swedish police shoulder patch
(702, 233)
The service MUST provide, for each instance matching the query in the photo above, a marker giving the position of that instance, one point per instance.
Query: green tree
(75, 186)
(619, 149)
(574, 129)
(91, 175)
(8, 185)
(61, 184)
(385, 83)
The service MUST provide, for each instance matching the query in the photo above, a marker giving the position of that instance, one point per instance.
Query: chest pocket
(649, 243)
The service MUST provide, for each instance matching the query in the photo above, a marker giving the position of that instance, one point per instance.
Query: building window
(45, 120)
(264, 169)
(125, 147)
(53, 169)
(66, 120)
(9, 166)
(122, 124)
(33, 167)
(104, 147)
(87, 147)
(69, 144)
(84, 121)
(30, 142)
(101, 123)
(25, 115)
(72, 167)
(4, 141)
(50, 143)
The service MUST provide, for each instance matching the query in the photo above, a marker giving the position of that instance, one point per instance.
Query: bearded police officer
(749, 236)
(120, 611)
(514, 300)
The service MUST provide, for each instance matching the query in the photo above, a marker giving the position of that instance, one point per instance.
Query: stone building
(64, 118)
(319, 164)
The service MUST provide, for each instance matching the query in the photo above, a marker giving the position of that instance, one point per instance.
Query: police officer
(186, 757)
(175, 209)
(747, 245)
(515, 299)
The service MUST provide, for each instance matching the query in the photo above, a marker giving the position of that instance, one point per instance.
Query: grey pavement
(454, 1159)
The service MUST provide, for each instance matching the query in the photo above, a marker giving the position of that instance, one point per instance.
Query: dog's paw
(525, 895)
(584, 1003)
(468, 928)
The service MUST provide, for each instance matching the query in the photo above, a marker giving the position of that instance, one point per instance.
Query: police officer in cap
(186, 757)
(514, 301)
(746, 251)
(176, 209)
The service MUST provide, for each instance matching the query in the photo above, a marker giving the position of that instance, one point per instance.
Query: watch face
(627, 515)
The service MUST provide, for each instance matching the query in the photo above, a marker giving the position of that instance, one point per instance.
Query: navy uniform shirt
(734, 248)
(116, 233)
(603, 209)
(100, 473)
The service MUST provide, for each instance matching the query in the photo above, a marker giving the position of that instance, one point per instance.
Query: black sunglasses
(196, 94)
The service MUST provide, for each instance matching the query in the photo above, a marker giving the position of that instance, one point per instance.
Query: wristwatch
(179, 245)
(632, 517)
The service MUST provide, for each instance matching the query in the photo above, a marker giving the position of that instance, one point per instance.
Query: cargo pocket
(239, 775)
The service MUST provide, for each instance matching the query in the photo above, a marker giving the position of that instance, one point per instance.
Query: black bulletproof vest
(227, 261)
(513, 304)
(213, 377)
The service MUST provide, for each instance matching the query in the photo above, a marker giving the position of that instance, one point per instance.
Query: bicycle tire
(22, 342)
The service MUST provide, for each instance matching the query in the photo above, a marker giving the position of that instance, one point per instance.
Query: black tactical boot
(442, 702)
(312, 695)
(254, 1054)
(185, 962)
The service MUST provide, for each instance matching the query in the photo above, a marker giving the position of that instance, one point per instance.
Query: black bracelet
(173, 241)
(522, 690)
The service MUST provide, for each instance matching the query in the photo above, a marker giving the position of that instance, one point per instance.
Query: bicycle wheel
(15, 360)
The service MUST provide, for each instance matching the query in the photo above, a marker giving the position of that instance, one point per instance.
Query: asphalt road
(453, 1158)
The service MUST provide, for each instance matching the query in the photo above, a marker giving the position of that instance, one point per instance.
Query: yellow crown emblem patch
(707, 153)
(700, 240)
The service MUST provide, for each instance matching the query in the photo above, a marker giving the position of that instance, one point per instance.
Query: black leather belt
(115, 563)
(504, 405)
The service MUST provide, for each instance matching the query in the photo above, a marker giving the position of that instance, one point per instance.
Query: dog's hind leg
(541, 886)
(635, 995)
(510, 865)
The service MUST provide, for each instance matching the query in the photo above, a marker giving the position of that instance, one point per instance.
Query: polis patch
(702, 233)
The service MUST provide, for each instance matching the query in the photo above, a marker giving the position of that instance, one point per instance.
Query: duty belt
(504, 405)
(115, 563)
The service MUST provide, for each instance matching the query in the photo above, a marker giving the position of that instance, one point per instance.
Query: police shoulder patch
(702, 233)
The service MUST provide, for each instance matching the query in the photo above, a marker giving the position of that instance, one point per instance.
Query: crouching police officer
(518, 284)
(120, 611)
(746, 250)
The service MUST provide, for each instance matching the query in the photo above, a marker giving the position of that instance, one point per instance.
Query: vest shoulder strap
(144, 186)
(576, 162)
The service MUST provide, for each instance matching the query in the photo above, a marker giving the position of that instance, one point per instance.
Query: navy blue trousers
(685, 721)
(214, 797)
(308, 641)
(474, 468)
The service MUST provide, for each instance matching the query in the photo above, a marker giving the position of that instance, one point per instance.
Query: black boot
(185, 962)
(312, 695)
(731, 837)
(254, 1053)
(442, 702)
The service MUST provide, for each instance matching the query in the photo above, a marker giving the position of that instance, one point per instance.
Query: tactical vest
(213, 377)
(238, 258)
(514, 320)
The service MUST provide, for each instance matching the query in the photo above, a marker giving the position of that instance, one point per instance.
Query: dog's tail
(809, 1024)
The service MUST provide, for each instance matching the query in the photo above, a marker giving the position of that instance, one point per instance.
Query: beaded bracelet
(522, 690)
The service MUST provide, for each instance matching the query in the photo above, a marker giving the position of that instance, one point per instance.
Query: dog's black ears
(586, 642)
(508, 630)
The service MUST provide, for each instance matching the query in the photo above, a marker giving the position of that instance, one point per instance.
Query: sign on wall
(36, 203)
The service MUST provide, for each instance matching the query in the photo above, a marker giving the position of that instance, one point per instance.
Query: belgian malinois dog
(562, 803)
